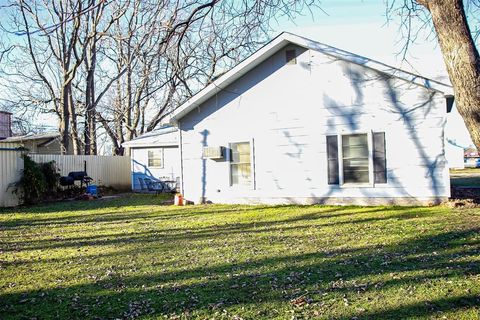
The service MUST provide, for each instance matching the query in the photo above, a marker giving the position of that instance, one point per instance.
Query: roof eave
(280, 41)
(149, 144)
(229, 77)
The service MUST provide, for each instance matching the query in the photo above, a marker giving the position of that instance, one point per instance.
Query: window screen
(240, 166)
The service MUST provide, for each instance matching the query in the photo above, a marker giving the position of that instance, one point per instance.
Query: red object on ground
(178, 200)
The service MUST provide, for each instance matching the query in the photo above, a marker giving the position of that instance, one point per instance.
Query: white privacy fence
(106, 171)
(11, 166)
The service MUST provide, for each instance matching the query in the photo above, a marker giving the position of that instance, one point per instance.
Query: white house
(457, 139)
(303, 122)
(455, 155)
(155, 156)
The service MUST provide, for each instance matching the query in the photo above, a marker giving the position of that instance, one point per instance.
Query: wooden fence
(106, 171)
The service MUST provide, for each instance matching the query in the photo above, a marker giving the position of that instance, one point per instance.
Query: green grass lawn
(468, 177)
(134, 258)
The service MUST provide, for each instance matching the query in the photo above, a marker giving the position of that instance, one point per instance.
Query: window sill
(357, 185)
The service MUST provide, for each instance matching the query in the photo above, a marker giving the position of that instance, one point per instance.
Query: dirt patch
(464, 197)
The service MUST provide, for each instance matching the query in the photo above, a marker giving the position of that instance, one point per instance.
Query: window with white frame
(356, 158)
(155, 158)
(240, 164)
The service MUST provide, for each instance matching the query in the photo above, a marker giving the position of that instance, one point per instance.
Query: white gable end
(285, 39)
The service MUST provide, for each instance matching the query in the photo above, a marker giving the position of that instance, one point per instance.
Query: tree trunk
(64, 123)
(116, 147)
(90, 108)
(118, 122)
(129, 98)
(461, 58)
(86, 130)
(73, 122)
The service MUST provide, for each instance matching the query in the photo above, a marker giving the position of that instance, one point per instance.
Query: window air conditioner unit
(213, 152)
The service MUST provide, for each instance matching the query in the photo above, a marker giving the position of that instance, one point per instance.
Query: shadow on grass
(195, 233)
(128, 199)
(335, 273)
(423, 309)
(465, 181)
(118, 216)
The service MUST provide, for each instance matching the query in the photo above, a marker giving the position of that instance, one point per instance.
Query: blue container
(92, 190)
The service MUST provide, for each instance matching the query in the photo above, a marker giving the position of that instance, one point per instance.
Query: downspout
(182, 186)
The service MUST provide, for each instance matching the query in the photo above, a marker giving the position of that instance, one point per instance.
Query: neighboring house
(471, 158)
(44, 143)
(155, 155)
(303, 122)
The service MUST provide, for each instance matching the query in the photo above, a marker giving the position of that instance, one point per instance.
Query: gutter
(149, 145)
(13, 149)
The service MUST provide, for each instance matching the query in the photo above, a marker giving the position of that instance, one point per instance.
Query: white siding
(455, 156)
(11, 166)
(140, 168)
(106, 171)
(287, 110)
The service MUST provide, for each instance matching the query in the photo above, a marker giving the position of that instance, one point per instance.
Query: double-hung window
(356, 158)
(240, 164)
(155, 158)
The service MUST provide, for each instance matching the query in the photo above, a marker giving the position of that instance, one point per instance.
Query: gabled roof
(161, 137)
(288, 38)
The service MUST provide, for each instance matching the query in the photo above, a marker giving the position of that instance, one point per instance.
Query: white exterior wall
(140, 168)
(287, 111)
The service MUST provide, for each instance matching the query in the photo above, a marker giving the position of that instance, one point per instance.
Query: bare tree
(96, 21)
(173, 49)
(4, 51)
(51, 33)
(127, 63)
(457, 42)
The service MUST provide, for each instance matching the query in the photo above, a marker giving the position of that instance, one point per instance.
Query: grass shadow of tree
(324, 275)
